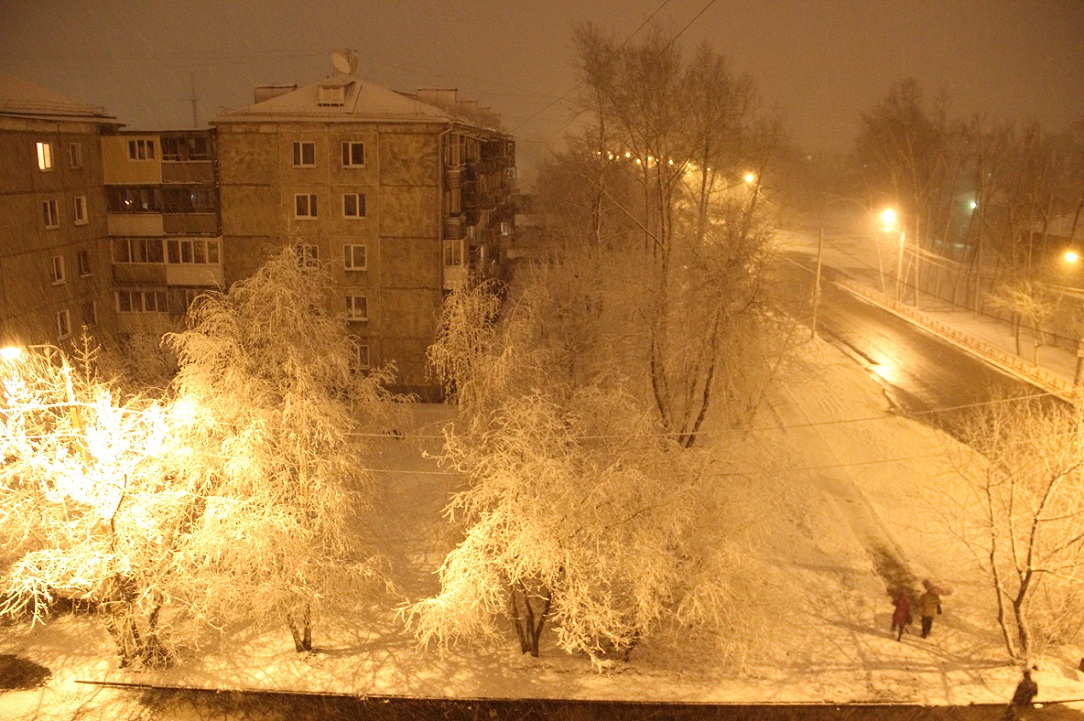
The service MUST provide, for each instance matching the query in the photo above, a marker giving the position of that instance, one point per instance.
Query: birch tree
(278, 423)
(88, 509)
(577, 508)
(1024, 519)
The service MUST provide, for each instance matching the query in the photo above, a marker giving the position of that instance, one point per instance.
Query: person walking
(929, 606)
(1025, 692)
(901, 617)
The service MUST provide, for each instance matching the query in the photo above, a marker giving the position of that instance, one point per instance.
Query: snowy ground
(837, 499)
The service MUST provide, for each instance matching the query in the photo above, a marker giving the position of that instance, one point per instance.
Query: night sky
(821, 63)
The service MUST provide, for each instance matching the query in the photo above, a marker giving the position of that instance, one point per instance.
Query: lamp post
(889, 224)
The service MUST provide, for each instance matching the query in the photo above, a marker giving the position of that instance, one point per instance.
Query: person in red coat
(901, 617)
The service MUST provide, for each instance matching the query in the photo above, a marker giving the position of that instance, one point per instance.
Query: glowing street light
(750, 178)
(1071, 257)
(888, 219)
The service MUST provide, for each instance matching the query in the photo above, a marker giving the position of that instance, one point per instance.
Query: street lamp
(14, 354)
(889, 224)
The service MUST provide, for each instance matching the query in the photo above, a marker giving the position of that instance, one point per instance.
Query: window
(63, 324)
(453, 252)
(82, 259)
(181, 148)
(305, 205)
(182, 298)
(354, 257)
(75, 155)
(141, 149)
(141, 301)
(80, 210)
(90, 314)
(308, 256)
(192, 250)
(353, 205)
(137, 250)
(134, 200)
(50, 214)
(58, 269)
(361, 355)
(45, 156)
(506, 228)
(357, 308)
(304, 154)
(353, 154)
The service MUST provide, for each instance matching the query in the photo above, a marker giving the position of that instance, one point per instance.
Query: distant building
(404, 197)
(163, 220)
(54, 255)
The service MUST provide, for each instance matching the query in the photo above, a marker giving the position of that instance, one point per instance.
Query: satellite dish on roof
(344, 61)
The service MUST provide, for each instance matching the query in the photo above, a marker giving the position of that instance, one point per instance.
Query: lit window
(305, 205)
(63, 324)
(58, 269)
(141, 150)
(80, 210)
(357, 308)
(354, 257)
(83, 260)
(353, 155)
(45, 156)
(353, 205)
(75, 155)
(50, 214)
(304, 154)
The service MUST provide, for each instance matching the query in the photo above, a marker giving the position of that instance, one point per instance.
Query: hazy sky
(821, 62)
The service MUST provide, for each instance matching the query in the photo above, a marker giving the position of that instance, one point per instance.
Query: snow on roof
(342, 97)
(19, 98)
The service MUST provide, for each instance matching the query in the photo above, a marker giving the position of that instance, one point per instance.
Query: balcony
(134, 224)
(192, 171)
(455, 227)
(190, 224)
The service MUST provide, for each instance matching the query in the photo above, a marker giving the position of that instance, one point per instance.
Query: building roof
(361, 101)
(22, 99)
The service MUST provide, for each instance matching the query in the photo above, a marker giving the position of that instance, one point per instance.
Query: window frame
(75, 155)
(58, 272)
(45, 155)
(90, 319)
(359, 206)
(310, 206)
(350, 263)
(352, 307)
(141, 150)
(347, 155)
(308, 255)
(79, 204)
(82, 262)
(160, 301)
(63, 320)
(299, 148)
(50, 214)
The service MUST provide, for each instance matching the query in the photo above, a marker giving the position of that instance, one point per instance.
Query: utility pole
(817, 281)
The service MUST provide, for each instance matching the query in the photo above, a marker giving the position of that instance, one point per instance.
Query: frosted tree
(660, 215)
(1024, 519)
(279, 419)
(578, 507)
(89, 508)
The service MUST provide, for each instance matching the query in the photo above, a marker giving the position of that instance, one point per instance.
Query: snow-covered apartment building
(403, 196)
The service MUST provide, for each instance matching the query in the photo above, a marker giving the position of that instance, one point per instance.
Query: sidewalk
(991, 340)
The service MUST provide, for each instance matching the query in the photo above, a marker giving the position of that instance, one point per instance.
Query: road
(922, 375)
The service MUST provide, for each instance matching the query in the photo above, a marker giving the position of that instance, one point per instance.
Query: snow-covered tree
(578, 506)
(89, 508)
(279, 419)
(660, 217)
(1024, 519)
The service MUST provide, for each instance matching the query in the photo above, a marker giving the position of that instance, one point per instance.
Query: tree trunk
(301, 629)
(528, 620)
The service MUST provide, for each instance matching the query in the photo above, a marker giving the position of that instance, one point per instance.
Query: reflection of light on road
(888, 371)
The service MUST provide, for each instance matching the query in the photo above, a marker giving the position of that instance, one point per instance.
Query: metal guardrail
(1029, 371)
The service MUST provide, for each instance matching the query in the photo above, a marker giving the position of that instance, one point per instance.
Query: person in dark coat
(929, 606)
(901, 617)
(1025, 692)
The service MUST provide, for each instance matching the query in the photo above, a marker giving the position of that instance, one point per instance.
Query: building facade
(163, 223)
(54, 255)
(404, 197)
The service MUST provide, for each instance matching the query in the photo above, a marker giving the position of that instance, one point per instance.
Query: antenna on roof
(344, 61)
